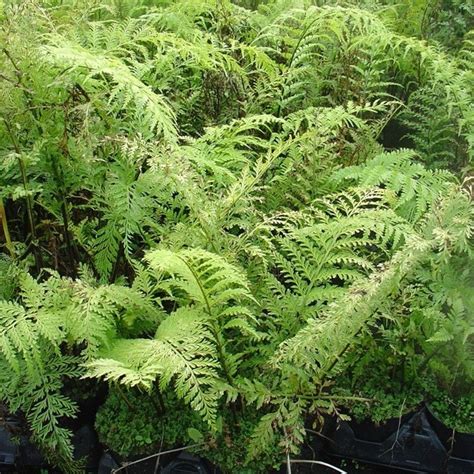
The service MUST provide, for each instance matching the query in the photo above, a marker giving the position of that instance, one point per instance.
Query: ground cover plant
(237, 216)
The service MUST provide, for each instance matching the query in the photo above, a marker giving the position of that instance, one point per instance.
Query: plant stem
(59, 178)
(329, 397)
(125, 466)
(124, 397)
(116, 267)
(162, 401)
(290, 62)
(29, 200)
(156, 406)
(160, 407)
(6, 231)
(220, 350)
(214, 326)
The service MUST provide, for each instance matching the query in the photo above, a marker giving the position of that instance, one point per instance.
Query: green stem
(6, 232)
(124, 397)
(59, 178)
(214, 326)
(292, 58)
(29, 200)
(220, 350)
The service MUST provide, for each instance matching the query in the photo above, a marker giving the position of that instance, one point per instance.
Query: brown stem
(58, 176)
(161, 400)
(156, 406)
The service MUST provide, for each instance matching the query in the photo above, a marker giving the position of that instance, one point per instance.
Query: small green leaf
(195, 435)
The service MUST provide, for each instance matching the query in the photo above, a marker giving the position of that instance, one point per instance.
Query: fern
(33, 367)
(317, 346)
(415, 188)
(38, 333)
(93, 69)
(182, 350)
(219, 288)
(8, 277)
(314, 262)
(314, 354)
(190, 345)
(322, 142)
(211, 200)
(433, 134)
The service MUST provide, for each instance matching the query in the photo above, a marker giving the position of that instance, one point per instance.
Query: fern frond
(415, 188)
(315, 261)
(206, 278)
(93, 70)
(182, 352)
(319, 345)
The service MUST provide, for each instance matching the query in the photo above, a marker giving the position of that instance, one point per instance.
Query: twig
(319, 434)
(288, 463)
(321, 463)
(328, 397)
(114, 471)
(398, 429)
(14, 64)
(15, 83)
(158, 458)
(399, 422)
(124, 397)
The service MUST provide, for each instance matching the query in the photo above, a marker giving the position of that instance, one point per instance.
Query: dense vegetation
(237, 216)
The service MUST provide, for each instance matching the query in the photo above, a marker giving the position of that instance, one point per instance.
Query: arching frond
(182, 352)
(100, 73)
(415, 188)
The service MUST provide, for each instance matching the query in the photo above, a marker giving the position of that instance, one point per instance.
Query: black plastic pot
(457, 444)
(186, 463)
(377, 433)
(17, 453)
(8, 449)
(411, 443)
(107, 464)
(29, 457)
(87, 447)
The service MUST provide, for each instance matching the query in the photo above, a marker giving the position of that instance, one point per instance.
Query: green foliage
(211, 206)
(130, 422)
(8, 278)
(190, 344)
(420, 344)
(43, 332)
(414, 188)
(457, 414)
(432, 132)
(33, 366)
(229, 448)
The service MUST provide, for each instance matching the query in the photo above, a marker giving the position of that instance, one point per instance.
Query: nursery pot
(186, 463)
(408, 443)
(367, 430)
(8, 449)
(457, 444)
